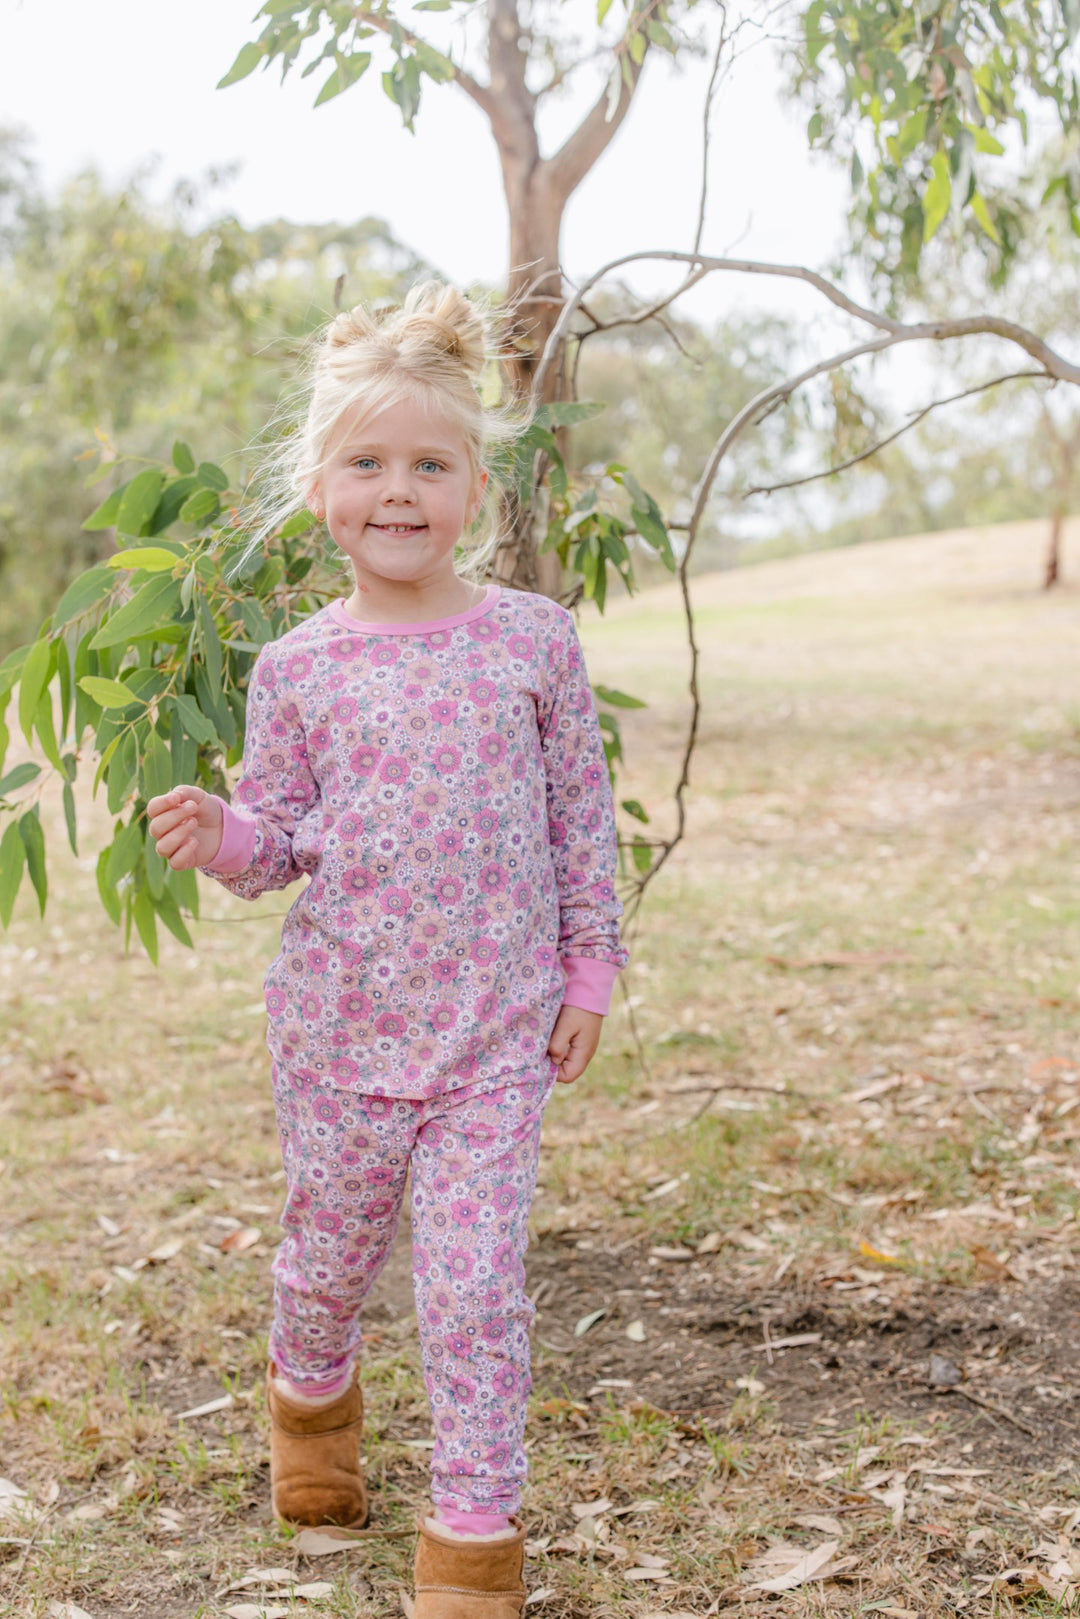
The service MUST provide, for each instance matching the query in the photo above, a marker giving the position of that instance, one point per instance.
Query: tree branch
(864, 455)
(480, 93)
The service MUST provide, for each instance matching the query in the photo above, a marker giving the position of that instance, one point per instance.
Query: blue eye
(363, 462)
(430, 466)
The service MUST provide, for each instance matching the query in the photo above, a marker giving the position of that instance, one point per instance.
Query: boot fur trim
(459, 1579)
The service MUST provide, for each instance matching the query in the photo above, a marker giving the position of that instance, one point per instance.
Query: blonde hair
(437, 348)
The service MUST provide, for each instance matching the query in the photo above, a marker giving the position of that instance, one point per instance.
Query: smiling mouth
(399, 528)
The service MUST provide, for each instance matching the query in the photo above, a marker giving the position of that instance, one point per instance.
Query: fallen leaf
(751, 1386)
(237, 1241)
(870, 1252)
(645, 1574)
(11, 1497)
(544, 1594)
(673, 1255)
(255, 1610)
(806, 1566)
(110, 1227)
(321, 1542)
(66, 1610)
(261, 1576)
(711, 1243)
(636, 1332)
(591, 1509)
(991, 1264)
(220, 1404)
(662, 1191)
(823, 1521)
(165, 1251)
(589, 1321)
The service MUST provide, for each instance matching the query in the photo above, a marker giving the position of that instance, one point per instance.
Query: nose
(398, 489)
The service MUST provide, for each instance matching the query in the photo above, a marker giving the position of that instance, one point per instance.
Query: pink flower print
(345, 647)
(420, 820)
(432, 796)
(418, 951)
(444, 972)
(486, 823)
(275, 1002)
(394, 769)
(327, 1221)
(483, 691)
(448, 890)
(497, 1457)
(391, 1025)
(504, 1198)
(449, 842)
(355, 1006)
(492, 749)
(437, 638)
(486, 1007)
(484, 951)
(493, 1331)
(363, 759)
(319, 737)
(482, 629)
(462, 1388)
(544, 955)
(423, 854)
(385, 653)
(443, 712)
(505, 1381)
(344, 710)
(431, 928)
(465, 1211)
(421, 1261)
(326, 1110)
(418, 725)
(492, 879)
(442, 1298)
(395, 901)
(297, 666)
(446, 758)
(311, 1006)
(522, 895)
(520, 646)
(459, 1262)
(350, 827)
(379, 1175)
(444, 1016)
(459, 1345)
(503, 1258)
(380, 1208)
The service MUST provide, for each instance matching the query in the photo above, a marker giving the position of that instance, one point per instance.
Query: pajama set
(443, 785)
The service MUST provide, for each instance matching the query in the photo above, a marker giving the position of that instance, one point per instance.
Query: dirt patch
(998, 1361)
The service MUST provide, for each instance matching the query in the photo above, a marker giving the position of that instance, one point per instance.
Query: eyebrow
(423, 451)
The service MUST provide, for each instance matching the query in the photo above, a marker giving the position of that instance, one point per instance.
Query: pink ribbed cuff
(471, 1523)
(588, 983)
(237, 841)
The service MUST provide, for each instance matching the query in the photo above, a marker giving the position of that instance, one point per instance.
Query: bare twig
(864, 455)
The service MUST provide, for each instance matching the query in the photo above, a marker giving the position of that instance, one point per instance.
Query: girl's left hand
(573, 1042)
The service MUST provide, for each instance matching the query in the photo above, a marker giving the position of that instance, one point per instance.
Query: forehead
(407, 425)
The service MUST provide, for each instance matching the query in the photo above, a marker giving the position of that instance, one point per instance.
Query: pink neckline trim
(418, 626)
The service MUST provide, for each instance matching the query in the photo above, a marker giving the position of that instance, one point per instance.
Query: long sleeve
(581, 829)
(275, 792)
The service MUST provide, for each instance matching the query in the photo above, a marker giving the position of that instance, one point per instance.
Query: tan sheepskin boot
(315, 1474)
(461, 1579)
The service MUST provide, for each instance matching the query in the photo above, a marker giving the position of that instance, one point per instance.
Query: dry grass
(888, 779)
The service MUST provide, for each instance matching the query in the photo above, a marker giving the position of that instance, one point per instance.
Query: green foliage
(920, 102)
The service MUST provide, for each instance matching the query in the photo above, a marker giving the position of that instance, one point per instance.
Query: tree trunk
(535, 292)
(1052, 575)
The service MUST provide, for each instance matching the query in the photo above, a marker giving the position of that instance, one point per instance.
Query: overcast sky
(118, 81)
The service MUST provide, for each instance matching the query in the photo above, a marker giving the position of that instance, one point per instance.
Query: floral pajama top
(443, 785)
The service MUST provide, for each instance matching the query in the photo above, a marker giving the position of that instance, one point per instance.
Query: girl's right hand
(187, 827)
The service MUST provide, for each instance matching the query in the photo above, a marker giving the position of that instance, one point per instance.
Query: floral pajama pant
(473, 1154)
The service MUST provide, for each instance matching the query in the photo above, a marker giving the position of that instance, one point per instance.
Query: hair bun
(445, 318)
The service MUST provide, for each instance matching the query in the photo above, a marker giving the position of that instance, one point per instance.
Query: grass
(889, 767)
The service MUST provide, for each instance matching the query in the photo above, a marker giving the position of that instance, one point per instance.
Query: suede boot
(459, 1579)
(315, 1475)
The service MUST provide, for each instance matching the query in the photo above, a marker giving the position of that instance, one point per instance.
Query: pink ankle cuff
(472, 1523)
(322, 1391)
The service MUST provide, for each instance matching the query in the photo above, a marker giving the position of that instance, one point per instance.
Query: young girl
(427, 753)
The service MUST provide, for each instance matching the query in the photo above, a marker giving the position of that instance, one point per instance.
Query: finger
(175, 838)
(186, 856)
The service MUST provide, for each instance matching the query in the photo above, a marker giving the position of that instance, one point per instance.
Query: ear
(478, 498)
(314, 500)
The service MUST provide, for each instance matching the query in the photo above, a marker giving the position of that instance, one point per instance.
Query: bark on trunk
(1052, 575)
